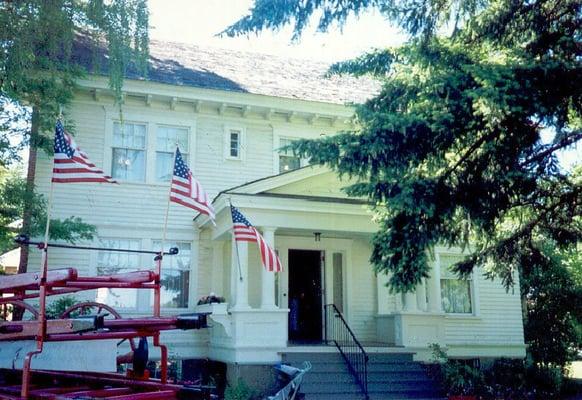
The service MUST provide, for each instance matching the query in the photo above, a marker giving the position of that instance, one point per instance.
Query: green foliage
(240, 391)
(419, 17)
(460, 148)
(553, 307)
(458, 377)
(454, 150)
(60, 305)
(13, 197)
(38, 67)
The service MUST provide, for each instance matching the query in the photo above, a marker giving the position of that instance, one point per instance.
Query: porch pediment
(313, 181)
(310, 198)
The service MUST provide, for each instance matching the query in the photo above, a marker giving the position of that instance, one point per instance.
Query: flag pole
(160, 257)
(44, 263)
(236, 246)
(165, 231)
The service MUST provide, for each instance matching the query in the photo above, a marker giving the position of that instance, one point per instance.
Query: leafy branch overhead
(461, 145)
(39, 64)
(13, 194)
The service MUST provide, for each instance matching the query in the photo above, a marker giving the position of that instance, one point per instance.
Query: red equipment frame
(13, 290)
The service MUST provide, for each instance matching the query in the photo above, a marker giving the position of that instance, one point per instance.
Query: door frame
(327, 246)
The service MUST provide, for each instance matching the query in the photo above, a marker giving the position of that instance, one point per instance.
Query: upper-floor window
(167, 138)
(233, 145)
(129, 151)
(287, 160)
(113, 262)
(456, 294)
(175, 279)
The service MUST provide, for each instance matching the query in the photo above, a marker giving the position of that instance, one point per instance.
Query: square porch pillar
(267, 277)
(410, 303)
(240, 274)
(434, 287)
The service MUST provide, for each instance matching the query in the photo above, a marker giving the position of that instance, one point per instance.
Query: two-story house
(230, 112)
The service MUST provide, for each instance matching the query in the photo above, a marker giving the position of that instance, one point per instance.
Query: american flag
(71, 164)
(244, 231)
(186, 190)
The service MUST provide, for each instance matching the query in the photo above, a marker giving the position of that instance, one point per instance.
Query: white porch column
(217, 268)
(383, 294)
(421, 295)
(268, 278)
(240, 267)
(434, 287)
(410, 301)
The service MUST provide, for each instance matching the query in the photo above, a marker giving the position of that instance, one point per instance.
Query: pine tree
(451, 150)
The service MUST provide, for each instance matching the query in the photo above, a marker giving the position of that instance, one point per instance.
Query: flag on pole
(244, 231)
(71, 164)
(187, 191)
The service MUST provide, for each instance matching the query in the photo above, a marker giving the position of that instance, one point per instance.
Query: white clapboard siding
(363, 304)
(499, 319)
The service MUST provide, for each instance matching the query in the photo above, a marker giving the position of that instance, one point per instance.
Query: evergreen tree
(461, 145)
(38, 72)
(451, 150)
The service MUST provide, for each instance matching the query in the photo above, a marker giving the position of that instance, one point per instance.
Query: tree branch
(563, 143)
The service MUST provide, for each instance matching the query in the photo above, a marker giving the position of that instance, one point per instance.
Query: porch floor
(369, 347)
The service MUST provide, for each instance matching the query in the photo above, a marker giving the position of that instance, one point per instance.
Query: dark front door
(305, 292)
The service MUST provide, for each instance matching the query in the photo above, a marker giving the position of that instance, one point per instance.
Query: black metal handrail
(338, 332)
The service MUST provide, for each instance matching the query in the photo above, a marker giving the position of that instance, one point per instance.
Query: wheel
(7, 309)
(92, 307)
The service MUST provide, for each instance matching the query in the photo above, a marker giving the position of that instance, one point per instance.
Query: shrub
(240, 391)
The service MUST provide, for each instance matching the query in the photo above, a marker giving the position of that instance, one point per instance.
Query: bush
(506, 379)
(241, 391)
(57, 307)
(457, 376)
(545, 381)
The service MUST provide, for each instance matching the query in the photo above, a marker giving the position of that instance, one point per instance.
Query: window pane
(168, 137)
(129, 135)
(456, 296)
(287, 160)
(112, 262)
(128, 164)
(175, 277)
(447, 261)
(234, 143)
(164, 167)
(287, 163)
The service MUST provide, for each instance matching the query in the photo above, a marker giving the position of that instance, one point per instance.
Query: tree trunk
(28, 198)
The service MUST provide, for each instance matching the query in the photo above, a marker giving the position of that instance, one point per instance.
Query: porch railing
(338, 332)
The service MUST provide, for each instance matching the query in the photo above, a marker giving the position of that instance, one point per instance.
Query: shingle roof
(213, 68)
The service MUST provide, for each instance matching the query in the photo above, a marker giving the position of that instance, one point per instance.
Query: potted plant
(212, 304)
(210, 299)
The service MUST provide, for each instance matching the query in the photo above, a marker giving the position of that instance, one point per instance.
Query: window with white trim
(288, 161)
(129, 151)
(167, 138)
(456, 293)
(175, 279)
(113, 262)
(233, 143)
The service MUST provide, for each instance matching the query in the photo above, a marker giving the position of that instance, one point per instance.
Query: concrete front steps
(391, 376)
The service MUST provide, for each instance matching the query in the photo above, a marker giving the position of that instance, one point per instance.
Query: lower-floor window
(175, 279)
(456, 294)
(113, 262)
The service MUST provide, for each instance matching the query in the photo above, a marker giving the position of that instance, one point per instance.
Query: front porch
(323, 240)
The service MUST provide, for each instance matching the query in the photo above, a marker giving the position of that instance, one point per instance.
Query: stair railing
(338, 332)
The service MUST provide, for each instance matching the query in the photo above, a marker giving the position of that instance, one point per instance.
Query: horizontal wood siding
(499, 318)
(363, 303)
